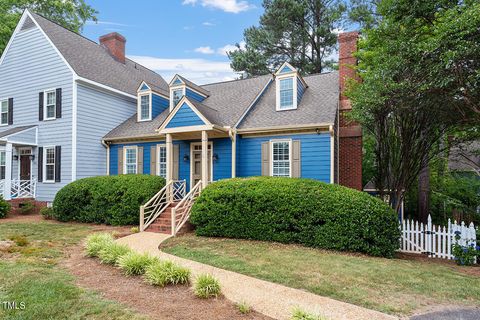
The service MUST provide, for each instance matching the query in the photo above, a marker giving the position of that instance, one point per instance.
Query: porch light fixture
(215, 157)
(186, 157)
(32, 157)
(15, 157)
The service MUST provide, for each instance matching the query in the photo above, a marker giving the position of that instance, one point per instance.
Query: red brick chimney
(350, 133)
(115, 45)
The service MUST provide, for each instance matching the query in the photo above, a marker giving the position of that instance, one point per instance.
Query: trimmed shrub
(112, 200)
(112, 252)
(292, 210)
(162, 273)
(206, 286)
(26, 207)
(4, 208)
(46, 213)
(96, 242)
(134, 264)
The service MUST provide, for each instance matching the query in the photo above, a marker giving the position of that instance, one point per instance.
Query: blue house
(74, 108)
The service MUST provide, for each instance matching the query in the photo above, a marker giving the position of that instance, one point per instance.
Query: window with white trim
(177, 96)
(4, 112)
(50, 104)
(145, 107)
(162, 161)
(130, 166)
(3, 164)
(281, 159)
(49, 164)
(286, 94)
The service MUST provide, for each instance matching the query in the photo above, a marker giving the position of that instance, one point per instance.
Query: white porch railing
(19, 189)
(181, 212)
(435, 241)
(173, 191)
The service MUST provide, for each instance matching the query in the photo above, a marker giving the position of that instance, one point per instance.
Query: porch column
(234, 155)
(7, 186)
(169, 157)
(204, 158)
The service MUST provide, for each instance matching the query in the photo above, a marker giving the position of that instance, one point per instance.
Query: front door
(25, 167)
(196, 165)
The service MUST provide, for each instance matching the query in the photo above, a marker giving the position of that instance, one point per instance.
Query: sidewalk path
(271, 299)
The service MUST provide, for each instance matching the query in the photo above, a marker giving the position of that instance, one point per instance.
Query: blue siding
(144, 87)
(300, 90)
(285, 69)
(159, 104)
(185, 117)
(178, 81)
(192, 94)
(222, 168)
(315, 155)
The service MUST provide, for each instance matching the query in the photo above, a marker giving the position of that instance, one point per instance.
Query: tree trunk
(424, 193)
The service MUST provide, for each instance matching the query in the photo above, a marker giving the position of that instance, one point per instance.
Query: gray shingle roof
(193, 85)
(318, 105)
(228, 101)
(93, 62)
(14, 130)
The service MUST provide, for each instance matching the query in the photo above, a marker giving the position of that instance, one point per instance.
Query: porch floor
(271, 299)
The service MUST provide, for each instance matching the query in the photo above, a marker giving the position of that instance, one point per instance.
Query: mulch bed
(171, 302)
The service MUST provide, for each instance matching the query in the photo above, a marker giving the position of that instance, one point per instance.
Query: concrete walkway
(271, 299)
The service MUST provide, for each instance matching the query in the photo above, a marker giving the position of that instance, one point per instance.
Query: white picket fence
(435, 241)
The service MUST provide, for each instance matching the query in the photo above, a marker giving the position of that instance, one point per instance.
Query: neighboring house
(71, 108)
(60, 93)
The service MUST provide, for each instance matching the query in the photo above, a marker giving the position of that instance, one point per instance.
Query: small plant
(4, 207)
(162, 273)
(97, 242)
(133, 263)
(134, 230)
(19, 240)
(112, 252)
(26, 207)
(47, 213)
(299, 314)
(243, 307)
(465, 255)
(206, 286)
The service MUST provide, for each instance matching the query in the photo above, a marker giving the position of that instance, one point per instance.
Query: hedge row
(112, 200)
(301, 211)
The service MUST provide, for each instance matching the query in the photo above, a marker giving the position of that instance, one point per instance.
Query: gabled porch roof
(24, 135)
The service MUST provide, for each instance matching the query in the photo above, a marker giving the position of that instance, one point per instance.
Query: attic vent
(28, 24)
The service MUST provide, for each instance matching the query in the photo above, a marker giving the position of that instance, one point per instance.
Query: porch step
(163, 224)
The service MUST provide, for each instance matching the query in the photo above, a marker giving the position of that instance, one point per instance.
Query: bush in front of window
(5, 208)
(292, 210)
(112, 200)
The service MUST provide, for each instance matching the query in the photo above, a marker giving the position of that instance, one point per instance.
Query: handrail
(173, 191)
(181, 212)
(23, 188)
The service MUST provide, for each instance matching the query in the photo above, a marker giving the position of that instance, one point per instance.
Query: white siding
(32, 65)
(98, 112)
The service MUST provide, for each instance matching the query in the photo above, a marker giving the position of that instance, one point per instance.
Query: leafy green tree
(419, 83)
(302, 32)
(71, 14)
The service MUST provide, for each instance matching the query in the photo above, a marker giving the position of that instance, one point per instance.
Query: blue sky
(178, 36)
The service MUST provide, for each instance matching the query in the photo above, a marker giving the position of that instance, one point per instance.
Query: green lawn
(389, 285)
(29, 273)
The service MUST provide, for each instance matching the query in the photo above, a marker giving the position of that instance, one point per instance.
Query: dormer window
(145, 107)
(177, 95)
(290, 87)
(286, 93)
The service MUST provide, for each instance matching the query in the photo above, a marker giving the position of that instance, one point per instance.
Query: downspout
(233, 137)
(107, 146)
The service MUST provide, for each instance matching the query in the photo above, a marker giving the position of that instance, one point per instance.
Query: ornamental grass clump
(299, 314)
(162, 273)
(206, 286)
(134, 264)
(112, 252)
(96, 242)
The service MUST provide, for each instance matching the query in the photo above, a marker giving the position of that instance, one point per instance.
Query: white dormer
(144, 103)
(287, 82)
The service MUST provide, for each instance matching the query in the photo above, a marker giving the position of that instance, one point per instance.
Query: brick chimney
(115, 45)
(350, 133)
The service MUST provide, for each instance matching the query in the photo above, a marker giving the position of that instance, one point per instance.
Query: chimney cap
(112, 35)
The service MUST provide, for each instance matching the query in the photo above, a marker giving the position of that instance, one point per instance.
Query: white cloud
(204, 50)
(208, 24)
(232, 6)
(200, 71)
(229, 47)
